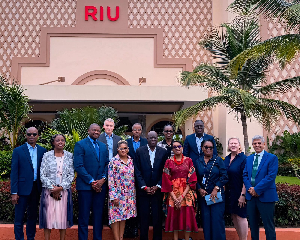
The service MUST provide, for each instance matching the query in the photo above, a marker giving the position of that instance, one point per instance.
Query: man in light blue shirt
(109, 139)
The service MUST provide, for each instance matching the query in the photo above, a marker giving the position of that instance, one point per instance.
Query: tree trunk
(245, 133)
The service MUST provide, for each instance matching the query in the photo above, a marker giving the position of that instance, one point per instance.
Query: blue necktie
(254, 170)
(96, 148)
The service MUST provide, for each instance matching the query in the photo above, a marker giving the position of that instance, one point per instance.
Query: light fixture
(59, 79)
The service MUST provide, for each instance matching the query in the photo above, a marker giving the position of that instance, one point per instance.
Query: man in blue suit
(148, 169)
(136, 140)
(91, 164)
(259, 179)
(25, 183)
(192, 143)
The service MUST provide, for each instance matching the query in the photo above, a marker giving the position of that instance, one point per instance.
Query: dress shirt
(33, 156)
(93, 143)
(135, 144)
(109, 140)
(260, 155)
(199, 141)
(152, 155)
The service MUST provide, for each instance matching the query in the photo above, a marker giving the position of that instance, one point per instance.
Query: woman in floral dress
(179, 182)
(122, 197)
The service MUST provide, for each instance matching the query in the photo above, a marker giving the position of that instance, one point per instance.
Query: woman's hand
(202, 192)
(213, 195)
(115, 203)
(56, 192)
(242, 201)
(178, 202)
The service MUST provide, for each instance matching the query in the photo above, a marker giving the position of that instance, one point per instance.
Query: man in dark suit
(148, 167)
(136, 140)
(259, 179)
(109, 139)
(91, 164)
(25, 183)
(192, 143)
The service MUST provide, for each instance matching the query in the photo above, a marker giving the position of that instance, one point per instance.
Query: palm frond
(283, 48)
(290, 111)
(283, 10)
(280, 86)
(181, 116)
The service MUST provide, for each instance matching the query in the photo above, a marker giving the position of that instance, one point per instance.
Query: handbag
(217, 199)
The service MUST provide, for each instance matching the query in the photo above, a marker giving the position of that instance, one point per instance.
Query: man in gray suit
(109, 139)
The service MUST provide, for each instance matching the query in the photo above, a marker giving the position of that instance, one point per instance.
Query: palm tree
(14, 108)
(284, 48)
(246, 92)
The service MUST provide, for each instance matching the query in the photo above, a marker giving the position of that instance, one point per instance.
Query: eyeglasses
(179, 146)
(136, 130)
(168, 131)
(125, 148)
(31, 134)
(206, 147)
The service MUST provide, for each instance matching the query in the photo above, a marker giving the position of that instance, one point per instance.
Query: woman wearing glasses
(122, 197)
(212, 177)
(179, 182)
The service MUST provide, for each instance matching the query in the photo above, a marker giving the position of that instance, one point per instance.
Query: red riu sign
(92, 12)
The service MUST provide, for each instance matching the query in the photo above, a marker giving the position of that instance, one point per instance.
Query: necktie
(254, 170)
(96, 148)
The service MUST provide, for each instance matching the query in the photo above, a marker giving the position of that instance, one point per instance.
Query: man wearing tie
(91, 164)
(192, 143)
(109, 139)
(259, 179)
(148, 168)
(25, 183)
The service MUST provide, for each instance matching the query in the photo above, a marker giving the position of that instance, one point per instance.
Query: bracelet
(145, 188)
(182, 196)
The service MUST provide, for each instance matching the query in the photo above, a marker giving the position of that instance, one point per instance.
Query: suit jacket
(49, 170)
(116, 139)
(132, 153)
(265, 177)
(190, 148)
(87, 164)
(22, 173)
(144, 173)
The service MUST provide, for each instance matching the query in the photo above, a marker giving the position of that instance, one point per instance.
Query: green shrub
(5, 164)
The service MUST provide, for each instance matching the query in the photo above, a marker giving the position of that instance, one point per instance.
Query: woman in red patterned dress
(179, 182)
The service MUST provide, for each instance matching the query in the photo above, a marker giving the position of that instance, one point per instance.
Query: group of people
(143, 178)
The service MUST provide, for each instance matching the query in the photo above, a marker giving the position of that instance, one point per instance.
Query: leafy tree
(245, 92)
(76, 121)
(284, 48)
(14, 109)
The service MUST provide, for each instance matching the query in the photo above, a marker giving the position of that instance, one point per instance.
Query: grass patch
(289, 180)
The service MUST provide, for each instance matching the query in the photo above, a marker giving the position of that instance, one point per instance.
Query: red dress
(175, 178)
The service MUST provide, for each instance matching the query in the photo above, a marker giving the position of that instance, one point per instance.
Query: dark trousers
(29, 203)
(212, 219)
(145, 203)
(88, 200)
(265, 210)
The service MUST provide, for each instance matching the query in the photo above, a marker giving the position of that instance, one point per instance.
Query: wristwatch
(217, 188)
(104, 178)
(243, 195)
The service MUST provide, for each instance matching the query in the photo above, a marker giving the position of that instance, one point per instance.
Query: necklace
(179, 163)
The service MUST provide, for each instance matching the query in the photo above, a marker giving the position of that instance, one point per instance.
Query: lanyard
(204, 177)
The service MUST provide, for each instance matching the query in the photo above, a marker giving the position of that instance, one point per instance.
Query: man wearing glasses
(192, 143)
(167, 143)
(25, 183)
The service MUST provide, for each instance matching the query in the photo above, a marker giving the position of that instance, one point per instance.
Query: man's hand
(95, 186)
(153, 189)
(148, 190)
(202, 192)
(14, 198)
(252, 192)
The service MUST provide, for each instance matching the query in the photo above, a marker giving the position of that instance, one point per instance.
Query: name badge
(203, 180)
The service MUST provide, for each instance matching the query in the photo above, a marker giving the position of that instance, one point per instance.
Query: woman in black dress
(235, 190)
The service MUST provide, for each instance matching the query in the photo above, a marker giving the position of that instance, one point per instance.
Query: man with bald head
(148, 166)
(91, 164)
(25, 183)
